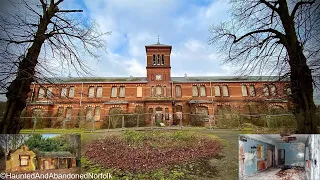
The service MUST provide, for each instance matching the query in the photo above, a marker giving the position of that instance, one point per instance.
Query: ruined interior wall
(312, 157)
(294, 153)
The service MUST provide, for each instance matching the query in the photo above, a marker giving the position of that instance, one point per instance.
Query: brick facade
(157, 91)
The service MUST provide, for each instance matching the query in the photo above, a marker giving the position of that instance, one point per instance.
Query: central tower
(158, 63)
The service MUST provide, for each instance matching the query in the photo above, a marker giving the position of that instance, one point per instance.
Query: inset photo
(39, 154)
(279, 156)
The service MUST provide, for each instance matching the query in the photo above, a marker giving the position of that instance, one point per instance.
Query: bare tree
(34, 35)
(276, 37)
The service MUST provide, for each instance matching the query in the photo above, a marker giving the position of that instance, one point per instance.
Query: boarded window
(289, 92)
(265, 90)
(158, 77)
(225, 91)
(217, 91)
(252, 90)
(195, 90)
(99, 92)
(68, 113)
(178, 91)
(91, 92)
(63, 92)
(122, 92)
(164, 91)
(71, 92)
(203, 90)
(24, 160)
(114, 91)
(162, 59)
(158, 90)
(154, 59)
(244, 90)
(89, 114)
(97, 114)
(49, 92)
(152, 91)
(139, 91)
(41, 93)
(273, 90)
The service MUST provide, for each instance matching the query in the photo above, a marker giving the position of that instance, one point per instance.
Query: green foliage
(281, 121)
(182, 136)
(134, 136)
(47, 144)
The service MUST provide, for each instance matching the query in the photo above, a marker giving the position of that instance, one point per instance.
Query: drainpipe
(81, 94)
(214, 121)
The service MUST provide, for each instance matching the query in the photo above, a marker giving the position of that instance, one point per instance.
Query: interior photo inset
(279, 156)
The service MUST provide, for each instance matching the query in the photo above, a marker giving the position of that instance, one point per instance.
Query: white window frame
(122, 91)
(217, 91)
(203, 92)
(244, 90)
(225, 91)
(91, 92)
(71, 92)
(114, 92)
(195, 92)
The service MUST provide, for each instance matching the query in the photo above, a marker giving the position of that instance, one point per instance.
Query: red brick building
(158, 93)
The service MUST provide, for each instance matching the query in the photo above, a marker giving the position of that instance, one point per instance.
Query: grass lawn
(193, 153)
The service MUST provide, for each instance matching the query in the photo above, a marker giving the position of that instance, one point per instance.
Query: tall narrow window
(68, 113)
(244, 90)
(273, 90)
(99, 91)
(252, 90)
(178, 91)
(60, 113)
(164, 91)
(166, 113)
(162, 59)
(89, 114)
(154, 59)
(158, 59)
(217, 91)
(139, 91)
(152, 91)
(122, 92)
(71, 92)
(41, 93)
(158, 90)
(225, 90)
(203, 90)
(49, 92)
(91, 92)
(289, 92)
(265, 90)
(195, 91)
(97, 113)
(113, 91)
(63, 92)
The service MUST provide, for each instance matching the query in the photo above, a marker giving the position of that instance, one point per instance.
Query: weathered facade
(161, 95)
(24, 159)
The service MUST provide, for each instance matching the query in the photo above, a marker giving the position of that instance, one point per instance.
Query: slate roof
(59, 154)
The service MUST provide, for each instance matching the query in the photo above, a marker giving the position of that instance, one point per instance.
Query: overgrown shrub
(281, 121)
(197, 119)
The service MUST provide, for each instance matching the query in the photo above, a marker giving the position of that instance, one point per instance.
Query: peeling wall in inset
(294, 153)
(313, 157)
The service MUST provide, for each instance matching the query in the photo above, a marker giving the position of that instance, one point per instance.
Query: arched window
(178, 91)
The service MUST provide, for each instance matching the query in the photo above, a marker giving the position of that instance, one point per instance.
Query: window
(41, 93)
(203, 90)
(158, 90)
(37, 113)
(122, 91)
(49, 92)
(139, 91)
(195, 91)
(71, 92)
(259, 151)
(113, 91)
(166, 113)
(68, 113)
(89, 114)
(244, 90)
(152, 91)
(265, 90)
(63, 92)
(154, 59)
(99, 92)
(158, 77)
(178, 91)
(158, 59)
(225, 91)
(97, 114)
(289, 92)
(252, 90)
(164, 91)
(24, 160)
(91, 92)
(162, 59)
(217, 91)
(60, 113)
(273, 90)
